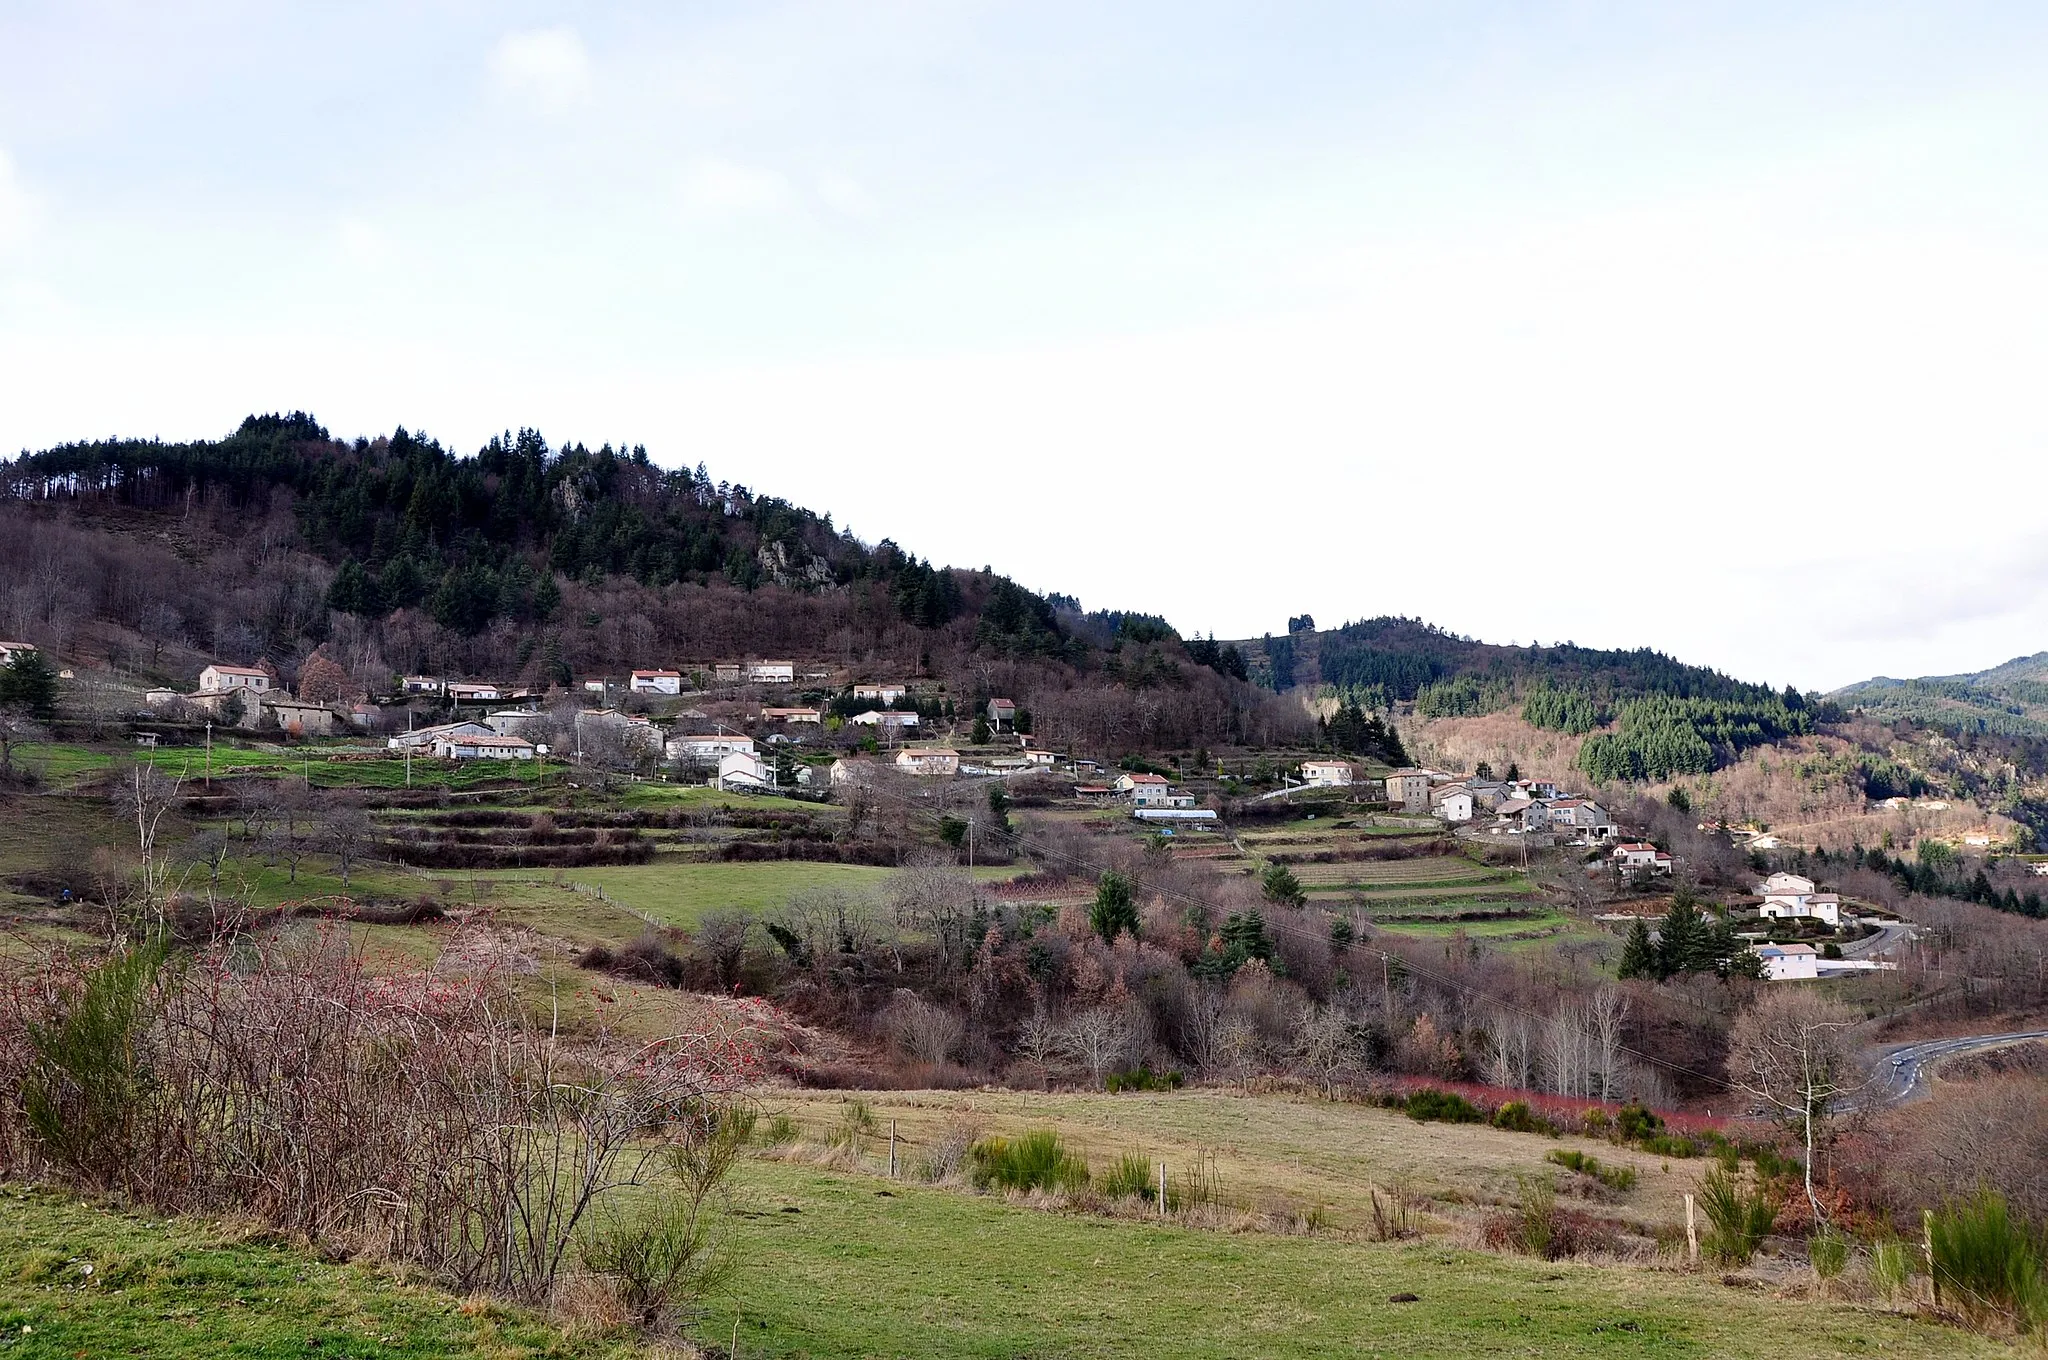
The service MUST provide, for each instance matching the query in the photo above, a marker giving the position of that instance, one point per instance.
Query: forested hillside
(1649, 717)
(531, 563)
(2008, 701)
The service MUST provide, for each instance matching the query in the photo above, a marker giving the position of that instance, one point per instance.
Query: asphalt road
(1890, 935)
(1901, 1073)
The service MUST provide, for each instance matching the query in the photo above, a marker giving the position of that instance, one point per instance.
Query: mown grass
(1536, 923)
(1273, 1148)
(680, 893)
(62, 765)
(187, 1291)
(847, 1265)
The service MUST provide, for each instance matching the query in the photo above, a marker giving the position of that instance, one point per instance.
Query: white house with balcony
(1641, 855)
(883, 692)
(1146, 790)
(1326, 773)
(219, 679)
(656, 682)
(929, 761)
(1791, 897)
(708, 750)
(771, 672)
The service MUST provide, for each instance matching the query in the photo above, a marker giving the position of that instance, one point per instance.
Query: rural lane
(1901, 1073)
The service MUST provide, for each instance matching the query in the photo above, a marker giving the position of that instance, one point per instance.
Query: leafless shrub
(427, 1115)
(926, 1032)
(947, 1154)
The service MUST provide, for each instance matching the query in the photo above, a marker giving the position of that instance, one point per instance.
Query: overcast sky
(1724, 333)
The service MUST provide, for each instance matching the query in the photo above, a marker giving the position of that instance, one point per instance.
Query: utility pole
(209, 753)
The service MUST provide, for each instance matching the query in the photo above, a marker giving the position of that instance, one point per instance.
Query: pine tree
(1282, 887)
(1638, 955)
(27, 679)
(1114, 911)
(1684, 945)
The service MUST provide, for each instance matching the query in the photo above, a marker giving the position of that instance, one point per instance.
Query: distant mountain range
(2008, 700)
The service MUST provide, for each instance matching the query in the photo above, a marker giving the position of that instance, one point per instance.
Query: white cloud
(843, 194)
(720, 188)
(19, 208)
(547, 65)
(363, 243)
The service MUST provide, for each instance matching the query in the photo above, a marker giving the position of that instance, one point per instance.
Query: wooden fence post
(892, 1149)
(1162, 1189)
(1927, 1246)
(1692, 1235)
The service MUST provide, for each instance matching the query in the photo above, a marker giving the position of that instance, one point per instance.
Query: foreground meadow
(838, 1265)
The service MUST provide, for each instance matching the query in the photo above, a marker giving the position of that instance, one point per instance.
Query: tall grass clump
(857, 1124)
(1738, 1219)
(1891, 1268)
(1621, 1178)
(82, 1095)
(1535, 1215)
(1034, 1161)
(1129, 1177)
(1827, 1251)
(1987, 1264)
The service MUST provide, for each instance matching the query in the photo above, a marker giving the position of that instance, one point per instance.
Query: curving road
(1901, 1073)
(1890, 935)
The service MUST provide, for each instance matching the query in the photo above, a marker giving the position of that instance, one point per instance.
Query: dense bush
(1448, 1107)
(1738, 1218)
(284, 1083)
(1143, 1079)
(1517, 1117)
(1986, 1263)
(1034, 1161)
(1129, 1177)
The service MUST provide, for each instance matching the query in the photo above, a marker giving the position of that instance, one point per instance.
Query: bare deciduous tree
(1040, 1041)
(1512, 1061)
(922, 1030)
(145, 794)
(1790, 1051)
(827, 923)
(347, 833)
(1325, 1048)
(1100, 1039)
(721, 940)
(295, 829)
(935, 898)
(1607, 1010)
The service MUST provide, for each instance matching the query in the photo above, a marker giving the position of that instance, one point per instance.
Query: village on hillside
(813, 731)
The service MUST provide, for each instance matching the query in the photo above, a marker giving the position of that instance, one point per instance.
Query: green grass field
(679, 894)
(1268, 1149)
(835, 1265)
(187, 1291)
(64, 765)
(864, 1267)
